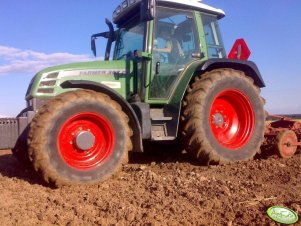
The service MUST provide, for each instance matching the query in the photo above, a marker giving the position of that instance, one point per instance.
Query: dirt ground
(162, 188)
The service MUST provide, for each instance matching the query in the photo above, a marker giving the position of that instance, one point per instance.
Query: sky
(37, 34)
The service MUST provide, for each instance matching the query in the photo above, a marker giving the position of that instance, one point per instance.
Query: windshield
(129, 40)
(213, 37)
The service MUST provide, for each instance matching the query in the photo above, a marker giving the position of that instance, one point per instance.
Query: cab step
(159, 127)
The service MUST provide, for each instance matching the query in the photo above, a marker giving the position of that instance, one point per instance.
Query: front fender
(126, 107)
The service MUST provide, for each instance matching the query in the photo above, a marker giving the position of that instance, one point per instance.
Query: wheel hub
(218, 119)
(84, 140)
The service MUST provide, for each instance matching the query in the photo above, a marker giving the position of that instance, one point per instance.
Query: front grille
(45, 90)
(52, 75)
(47, 83)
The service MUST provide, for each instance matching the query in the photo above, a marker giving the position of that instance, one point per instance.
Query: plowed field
(163, 187)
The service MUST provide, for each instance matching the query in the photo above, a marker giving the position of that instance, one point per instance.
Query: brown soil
(162, 188)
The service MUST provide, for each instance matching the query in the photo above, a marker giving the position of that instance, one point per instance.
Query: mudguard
(200, 67)
(133, 119)
(248, 67)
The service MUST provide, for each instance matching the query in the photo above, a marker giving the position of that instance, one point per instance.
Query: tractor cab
(166, 37)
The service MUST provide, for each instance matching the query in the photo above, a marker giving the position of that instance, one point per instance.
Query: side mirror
(147, 10)
(93, 46)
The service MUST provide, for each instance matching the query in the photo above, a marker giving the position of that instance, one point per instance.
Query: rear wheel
(223, 117)
(79, 137)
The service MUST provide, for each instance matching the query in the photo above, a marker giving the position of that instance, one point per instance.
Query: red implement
(283, 135)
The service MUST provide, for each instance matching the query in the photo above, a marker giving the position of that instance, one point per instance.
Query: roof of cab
(196, 5)
(127, 7)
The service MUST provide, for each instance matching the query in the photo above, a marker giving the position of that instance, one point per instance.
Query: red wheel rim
(98, 128)
(287, 145)
(232, 119)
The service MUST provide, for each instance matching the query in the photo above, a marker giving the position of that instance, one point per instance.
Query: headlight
(30, 102)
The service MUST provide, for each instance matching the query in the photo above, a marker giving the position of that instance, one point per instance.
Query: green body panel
(202, 36)
(185, 78)
(148, 73)
(117, 75)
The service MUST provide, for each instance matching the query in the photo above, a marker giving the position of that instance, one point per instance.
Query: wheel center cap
(84, 140)
(218, 119)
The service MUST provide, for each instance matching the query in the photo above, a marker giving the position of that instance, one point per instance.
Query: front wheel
(20, 150)
(223, 117)
(79, 137)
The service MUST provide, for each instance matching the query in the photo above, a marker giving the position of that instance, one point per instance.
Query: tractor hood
(114, 74)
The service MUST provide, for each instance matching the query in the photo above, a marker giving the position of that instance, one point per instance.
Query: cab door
(175, 39)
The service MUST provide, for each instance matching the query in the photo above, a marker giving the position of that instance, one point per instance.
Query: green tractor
(167, 79)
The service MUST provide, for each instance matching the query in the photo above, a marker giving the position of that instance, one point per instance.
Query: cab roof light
(124, 4)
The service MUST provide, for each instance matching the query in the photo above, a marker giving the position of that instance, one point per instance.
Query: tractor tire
(79, 137)
(20, 151)
(223, 117)
(285, 143)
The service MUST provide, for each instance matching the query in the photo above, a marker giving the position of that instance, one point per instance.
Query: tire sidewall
(103, 169)
(241, 84)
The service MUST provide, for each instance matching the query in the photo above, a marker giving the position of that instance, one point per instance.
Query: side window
(188, 38)
(174, 42)
(213, 38)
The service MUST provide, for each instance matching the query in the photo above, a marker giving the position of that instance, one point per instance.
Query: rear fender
(126, 107)
(200, 67)
(248, 67)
